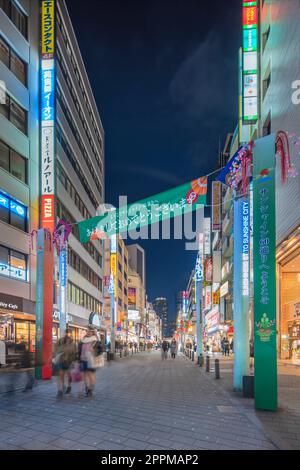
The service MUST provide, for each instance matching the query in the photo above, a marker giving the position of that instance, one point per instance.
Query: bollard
(207, 364)
(193, 356)
(132, 352)
(190, 354)
(120, 353)
(217, 368)
(200, 360)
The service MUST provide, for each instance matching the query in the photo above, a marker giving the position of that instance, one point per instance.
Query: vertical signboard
(216, 206)
(47, 115)
(264, 266)
(63, 291)
(241, 286)
(207, 236)
(250, 61)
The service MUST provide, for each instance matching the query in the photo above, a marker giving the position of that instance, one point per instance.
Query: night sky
(164, 76)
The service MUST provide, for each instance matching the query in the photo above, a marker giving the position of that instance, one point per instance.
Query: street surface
(140, 402)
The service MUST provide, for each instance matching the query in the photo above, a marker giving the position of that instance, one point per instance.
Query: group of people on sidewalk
(166, 346)
(74, 364)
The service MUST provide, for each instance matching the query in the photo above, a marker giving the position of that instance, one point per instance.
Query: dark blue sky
(164, 76)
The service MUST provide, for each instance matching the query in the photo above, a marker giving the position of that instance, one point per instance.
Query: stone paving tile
(139, 403)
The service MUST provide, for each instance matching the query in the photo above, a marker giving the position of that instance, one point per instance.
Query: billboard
(250, 61)
(48, 29)
(132, 296)
(207, 236)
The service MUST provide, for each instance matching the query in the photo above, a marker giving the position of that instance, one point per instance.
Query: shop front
(288, 281)
(213, 331)
(17, 322)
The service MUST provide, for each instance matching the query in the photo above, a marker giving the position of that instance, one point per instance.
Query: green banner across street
(162, 206)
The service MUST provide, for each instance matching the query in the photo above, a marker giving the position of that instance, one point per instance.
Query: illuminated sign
(47, 112)
(250, 61)
(13, 271)
(199, 269)
(131, 296)
(224, 289)
(216, 203)
(47, 92)
(245, 246)
(48, 29)
(13, 206)
(113, 244)
(212, 319)
(133, 315)
(113, 268)
(208, 297)
(207, 236)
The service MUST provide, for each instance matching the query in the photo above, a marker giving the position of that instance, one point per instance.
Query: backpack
(98, 348)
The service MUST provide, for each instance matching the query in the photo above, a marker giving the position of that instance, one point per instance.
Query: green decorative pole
(264, 265)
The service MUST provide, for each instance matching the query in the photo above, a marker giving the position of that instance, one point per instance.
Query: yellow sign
(113, 268)
(48, 30)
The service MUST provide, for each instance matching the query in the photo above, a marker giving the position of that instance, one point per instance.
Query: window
(265, 38)
(12, 212)
(13, 263)
(18, 166)
(12, 162)
(13, 61)
(18, 116)
(15, 15)
(120, 284)
(14, 113)
(267, 126)
(4, 52)
(119, 266)
(4, 156)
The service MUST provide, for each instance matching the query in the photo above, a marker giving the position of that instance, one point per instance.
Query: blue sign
(48, 91)
(63, 268)
(13, 206)
(198, 270)
(4, 201)
(12, 271)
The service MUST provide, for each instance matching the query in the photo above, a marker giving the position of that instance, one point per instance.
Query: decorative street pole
(198, 284)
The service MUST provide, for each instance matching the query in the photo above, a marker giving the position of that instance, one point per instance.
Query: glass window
(19, 19)
(4, 107)
(4, 52)
(18, 218)
(18, 166)
(18, 67)
(18, 116)
(4, 156)
(18, 265)
(5, 5)
(4, 208)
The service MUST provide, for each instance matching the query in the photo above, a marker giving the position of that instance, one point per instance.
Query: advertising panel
(250, 61)
(207, 236)
(216, 203)
(48, 29)
(131, 296)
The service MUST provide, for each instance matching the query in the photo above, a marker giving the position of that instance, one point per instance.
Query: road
(140, 402)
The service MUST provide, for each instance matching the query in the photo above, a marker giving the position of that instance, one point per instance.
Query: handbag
(76, 374)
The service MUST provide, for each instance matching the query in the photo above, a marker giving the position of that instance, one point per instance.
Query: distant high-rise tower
(160, 305)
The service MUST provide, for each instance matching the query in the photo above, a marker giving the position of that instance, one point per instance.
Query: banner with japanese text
(163, 206)
(264, 265)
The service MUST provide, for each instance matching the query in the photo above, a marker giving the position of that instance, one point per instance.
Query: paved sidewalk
(283, 427)
(140, 402)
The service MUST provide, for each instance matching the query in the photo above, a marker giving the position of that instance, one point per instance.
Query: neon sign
(250, 61)
(245, 247)
(13, 206)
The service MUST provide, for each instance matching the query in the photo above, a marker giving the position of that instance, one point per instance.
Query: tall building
(280, 110)
(160, 305)
(137, 261)
(136, 305)
(78, 163)
(116, 263)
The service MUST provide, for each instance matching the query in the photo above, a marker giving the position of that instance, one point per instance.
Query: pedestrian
(164, 350)
(149, 346)
(223, 346)
(26, 363)
(90, 348)
(227, 347)
(173, 348)
(231, 346)
(65, 354)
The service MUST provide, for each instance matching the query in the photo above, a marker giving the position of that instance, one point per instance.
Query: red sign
(250, 17)
(48, 212)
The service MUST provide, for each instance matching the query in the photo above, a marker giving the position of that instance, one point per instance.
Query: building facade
(79, 168)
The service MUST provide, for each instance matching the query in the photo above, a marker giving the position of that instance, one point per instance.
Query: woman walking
(173, 348)
(65, 355)
(88, 359)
